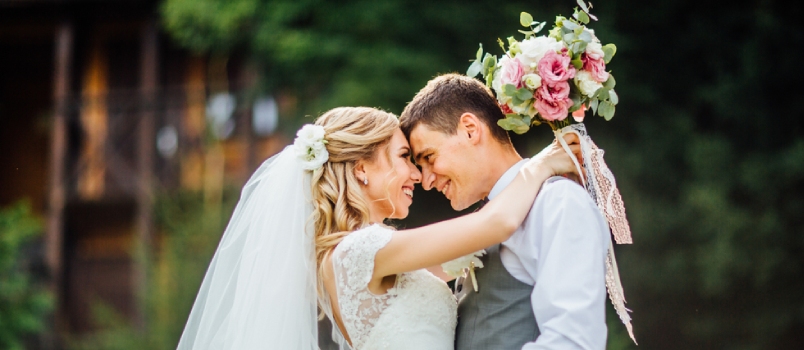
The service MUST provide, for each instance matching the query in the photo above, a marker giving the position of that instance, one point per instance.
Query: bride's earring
(365, 181)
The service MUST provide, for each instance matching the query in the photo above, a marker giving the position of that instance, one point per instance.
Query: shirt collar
(506, 179)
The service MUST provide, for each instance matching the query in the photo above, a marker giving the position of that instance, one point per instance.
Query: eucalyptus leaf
(569, 38)
(593, 105)
(578, 47)
(606, 110)
(609, 50)
(582, 5)
(479, 53)
(569, 25)
(525, 19)
(520, 129)
(610, 83)
(582, 17)
(509, 89)
(603, 94)
(515, 123)
(613, 97)
(489, 61)
(474, 69)
(526, 32)
(586, 36)
(539, 27)
(578, 31)
(524, 94)
(505, 124)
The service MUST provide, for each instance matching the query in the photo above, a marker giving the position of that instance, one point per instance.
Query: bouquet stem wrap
(599, 183)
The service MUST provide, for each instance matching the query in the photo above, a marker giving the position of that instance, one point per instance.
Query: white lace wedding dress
(419, 312)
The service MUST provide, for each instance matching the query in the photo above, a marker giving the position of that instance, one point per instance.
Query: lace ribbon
(599, 183)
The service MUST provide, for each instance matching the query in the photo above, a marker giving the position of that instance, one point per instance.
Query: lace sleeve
(353, 264)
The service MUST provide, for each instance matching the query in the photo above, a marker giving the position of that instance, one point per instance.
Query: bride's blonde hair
(352, 134)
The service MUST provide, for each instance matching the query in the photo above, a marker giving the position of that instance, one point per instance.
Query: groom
(544, 288)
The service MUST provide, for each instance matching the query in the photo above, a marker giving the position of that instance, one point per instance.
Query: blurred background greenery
(707, 146)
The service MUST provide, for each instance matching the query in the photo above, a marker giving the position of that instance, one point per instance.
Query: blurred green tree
(707, 145)
(24, 303)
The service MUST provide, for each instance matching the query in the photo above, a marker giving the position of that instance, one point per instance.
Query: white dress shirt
(560, 250)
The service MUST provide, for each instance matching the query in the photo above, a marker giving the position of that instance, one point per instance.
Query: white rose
(533, 50)
(594, 50)
(586, 84)
(310, 134)
(532, 81)
(310, 147)
(316, 159)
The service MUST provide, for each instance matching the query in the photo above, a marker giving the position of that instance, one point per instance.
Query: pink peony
(596, 67)
(555, 68)
(553, 103)
(559, 91)
(512, 72)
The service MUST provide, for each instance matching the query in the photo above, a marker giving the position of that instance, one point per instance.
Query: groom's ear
(470, 125)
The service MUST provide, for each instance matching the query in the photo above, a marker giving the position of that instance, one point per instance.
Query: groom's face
(447, 165)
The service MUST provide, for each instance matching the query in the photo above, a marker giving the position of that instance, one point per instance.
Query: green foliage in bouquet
(24, 303)
(543, 79)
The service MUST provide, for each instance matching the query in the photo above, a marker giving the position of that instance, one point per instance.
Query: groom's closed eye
(423, 156)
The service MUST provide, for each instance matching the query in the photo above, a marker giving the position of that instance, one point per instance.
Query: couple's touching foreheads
(308, 239)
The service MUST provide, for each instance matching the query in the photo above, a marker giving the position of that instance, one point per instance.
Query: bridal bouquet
(542, 79)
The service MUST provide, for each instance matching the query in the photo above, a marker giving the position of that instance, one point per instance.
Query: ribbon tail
(616, 293)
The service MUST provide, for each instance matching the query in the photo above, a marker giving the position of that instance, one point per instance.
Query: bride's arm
(437, 243)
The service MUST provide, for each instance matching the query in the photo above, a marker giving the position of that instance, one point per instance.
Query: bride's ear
(360, 171)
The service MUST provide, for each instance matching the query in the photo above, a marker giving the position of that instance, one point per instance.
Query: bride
(308, 232)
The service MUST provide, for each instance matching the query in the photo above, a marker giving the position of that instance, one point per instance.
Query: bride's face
(391, 179)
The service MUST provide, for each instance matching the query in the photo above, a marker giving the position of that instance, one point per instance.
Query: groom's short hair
(440, 104)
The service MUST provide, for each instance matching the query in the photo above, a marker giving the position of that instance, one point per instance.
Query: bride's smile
(391, 177)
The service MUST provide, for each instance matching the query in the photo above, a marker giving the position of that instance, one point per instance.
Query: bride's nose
(415, 174)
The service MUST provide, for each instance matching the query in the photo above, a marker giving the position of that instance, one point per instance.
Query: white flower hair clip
(310, 146)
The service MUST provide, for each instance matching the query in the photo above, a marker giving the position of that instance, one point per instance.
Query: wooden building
(98, 109)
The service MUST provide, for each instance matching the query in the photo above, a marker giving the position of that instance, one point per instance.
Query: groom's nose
(428, 179)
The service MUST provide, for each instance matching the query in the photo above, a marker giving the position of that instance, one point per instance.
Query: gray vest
(499, 316)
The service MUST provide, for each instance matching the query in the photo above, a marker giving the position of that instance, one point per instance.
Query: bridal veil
(260, 289)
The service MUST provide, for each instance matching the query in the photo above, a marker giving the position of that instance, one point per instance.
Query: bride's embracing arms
(430, 245)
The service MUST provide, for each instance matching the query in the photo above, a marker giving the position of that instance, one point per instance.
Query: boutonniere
(458, 267)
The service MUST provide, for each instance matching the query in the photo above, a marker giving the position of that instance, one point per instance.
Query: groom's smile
(446, 165)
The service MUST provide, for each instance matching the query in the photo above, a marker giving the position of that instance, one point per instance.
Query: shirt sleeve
(567, 244)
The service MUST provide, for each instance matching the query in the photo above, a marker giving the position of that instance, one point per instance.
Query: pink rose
(512, 72)
(553, 103)
(555, 68)
(596, 67)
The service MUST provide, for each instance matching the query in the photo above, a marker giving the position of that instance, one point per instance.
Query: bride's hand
(554, 160)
